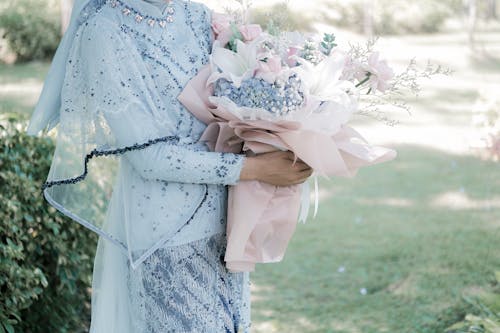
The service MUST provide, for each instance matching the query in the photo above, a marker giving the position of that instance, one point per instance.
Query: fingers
(286, 171)
(291, 157)
(301, 166)
(307, 173)
(302, 176)
(303, 170)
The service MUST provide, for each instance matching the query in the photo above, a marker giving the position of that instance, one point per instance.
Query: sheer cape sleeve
(112, 113)
(122, 95)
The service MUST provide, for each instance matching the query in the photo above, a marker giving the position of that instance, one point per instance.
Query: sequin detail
(139, 17)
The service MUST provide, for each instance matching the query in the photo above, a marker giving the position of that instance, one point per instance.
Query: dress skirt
(181, 287)
(187, 288)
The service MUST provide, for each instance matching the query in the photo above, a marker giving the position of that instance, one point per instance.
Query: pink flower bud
(220, 23)
(291, 52)
(250, 32)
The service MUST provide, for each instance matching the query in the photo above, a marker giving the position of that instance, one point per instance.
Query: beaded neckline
(139, 17)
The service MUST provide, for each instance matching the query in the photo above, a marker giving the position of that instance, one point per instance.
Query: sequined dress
(180, 284)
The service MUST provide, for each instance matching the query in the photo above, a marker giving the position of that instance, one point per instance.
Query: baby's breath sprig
(361, 52)
(374, 103)
(408, 80)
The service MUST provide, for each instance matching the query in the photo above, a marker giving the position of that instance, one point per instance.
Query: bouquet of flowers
(263, 92)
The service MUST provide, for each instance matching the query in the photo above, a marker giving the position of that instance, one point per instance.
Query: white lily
(323, 80)
(326, 93)
(235, 66)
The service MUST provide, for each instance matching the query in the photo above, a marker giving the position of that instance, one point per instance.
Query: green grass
(20, 85)
(414, 257)
(16, 73)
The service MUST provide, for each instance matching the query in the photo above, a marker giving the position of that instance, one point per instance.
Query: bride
(128, 165)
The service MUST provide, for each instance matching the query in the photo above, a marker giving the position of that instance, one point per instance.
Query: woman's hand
(276, 168)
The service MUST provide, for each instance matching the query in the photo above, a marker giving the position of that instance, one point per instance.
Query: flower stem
(368, 74)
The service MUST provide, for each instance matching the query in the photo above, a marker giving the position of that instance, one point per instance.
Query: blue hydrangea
(279, 98)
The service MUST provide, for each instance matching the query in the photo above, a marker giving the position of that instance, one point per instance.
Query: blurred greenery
(33, 70)
(282, 17)
(391, 16)
(26, 78)
(32, 28)
(385, 17)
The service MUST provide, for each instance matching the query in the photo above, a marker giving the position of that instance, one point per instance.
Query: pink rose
(220, 23)
(225, 36)
(221, 26)
(250, 32)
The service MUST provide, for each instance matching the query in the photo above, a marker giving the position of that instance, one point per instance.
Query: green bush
(31, 28)
(45, 258)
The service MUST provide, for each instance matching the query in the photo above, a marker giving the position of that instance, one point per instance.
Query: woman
(129, 166)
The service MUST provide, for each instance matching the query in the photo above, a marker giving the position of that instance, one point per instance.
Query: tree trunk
(66, 7)
(492, 9)
(472, 20)
(368, 17)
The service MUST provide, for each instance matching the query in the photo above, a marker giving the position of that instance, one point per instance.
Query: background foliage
(31, 28)
(46, 259)
(392, 16)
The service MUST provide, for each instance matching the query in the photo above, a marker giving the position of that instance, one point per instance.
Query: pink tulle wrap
(261, 218)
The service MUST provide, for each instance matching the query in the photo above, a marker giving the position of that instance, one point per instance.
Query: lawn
(20, 86)
(415, 234)
(396, 248)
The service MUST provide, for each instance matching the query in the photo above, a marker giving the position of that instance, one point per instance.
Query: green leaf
(9, 328)
(28, 218)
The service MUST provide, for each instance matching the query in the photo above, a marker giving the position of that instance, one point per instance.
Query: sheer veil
(108, 290)
(46, 114)
(97, 91)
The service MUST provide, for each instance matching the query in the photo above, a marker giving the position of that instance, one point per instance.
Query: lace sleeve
(123, 99)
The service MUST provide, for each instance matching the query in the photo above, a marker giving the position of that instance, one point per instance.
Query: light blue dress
(160, 266)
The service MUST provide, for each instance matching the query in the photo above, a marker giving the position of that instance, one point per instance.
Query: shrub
(46, 259)
(31, 28)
